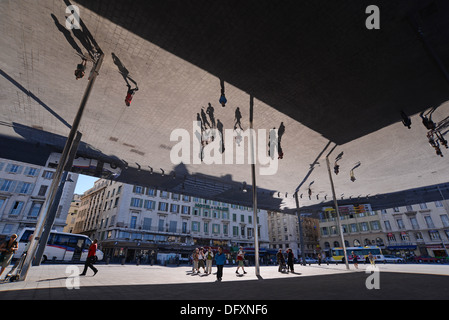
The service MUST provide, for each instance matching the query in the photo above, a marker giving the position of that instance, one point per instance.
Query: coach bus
(61, 246)
(337, 254)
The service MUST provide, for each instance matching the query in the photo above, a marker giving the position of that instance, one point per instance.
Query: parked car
(393, 259)
(427, 259)
(309, 260)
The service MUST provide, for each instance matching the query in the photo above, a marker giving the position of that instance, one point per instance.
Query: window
(164, 194)
(375, 225)
(215, 228)
(195, 226)
(387, 225)
(206, 227)
(163, 206)
(136, 202)
(47, 174)
(423, 206)
(174, 208)
(172, 226)
(16, 208)
(364, 226)
(184, 227)
(185, 210)
(13, 168)
(133, 223)
(24, 187)
(418, 236)
(6, 185)
(414, 223)
(35, 209)
(445, 220)
(429, 222)
(400, 224)
(434, 235)
(31, 171)
(42, 191)
(324, 231)
(150, 204)
(225, 229)
(138, 189)
(161, 225)
(146, 224)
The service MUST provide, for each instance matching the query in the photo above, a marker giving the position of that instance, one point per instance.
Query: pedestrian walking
(290, 261)
(91, 258)
(371, 258)
(319, 259)
(209, 259)
(355, 260)
(240, 260)
(80, 69)
(7, 250)
(220, 259)
(201, 260)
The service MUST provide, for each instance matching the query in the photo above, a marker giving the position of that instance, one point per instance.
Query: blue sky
(84, 183)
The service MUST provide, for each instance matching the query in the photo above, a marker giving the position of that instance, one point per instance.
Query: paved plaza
(311, 282)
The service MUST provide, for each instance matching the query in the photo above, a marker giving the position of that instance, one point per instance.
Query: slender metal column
(58, 175)
(301, 233)
(338, 212)
(54, 208)
(253, 174)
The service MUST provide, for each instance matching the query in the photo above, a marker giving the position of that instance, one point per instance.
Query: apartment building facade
(23, 191)
(134, 221)
(414, 230)
(283, 230)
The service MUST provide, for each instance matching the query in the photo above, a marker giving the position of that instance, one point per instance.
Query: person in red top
(130, 95)
(91, 255)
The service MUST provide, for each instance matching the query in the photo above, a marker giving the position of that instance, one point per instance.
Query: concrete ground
(145, 282)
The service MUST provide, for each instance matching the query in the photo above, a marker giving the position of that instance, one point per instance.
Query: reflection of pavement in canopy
(312, 66)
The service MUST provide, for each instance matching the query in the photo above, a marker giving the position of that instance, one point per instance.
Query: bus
(61, 246)
(337, 254)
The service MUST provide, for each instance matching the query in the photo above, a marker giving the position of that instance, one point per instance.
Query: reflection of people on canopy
(222, 99)
(336, 166)
(427, 119)
(238, 117)
(130, 94)
(80, 69)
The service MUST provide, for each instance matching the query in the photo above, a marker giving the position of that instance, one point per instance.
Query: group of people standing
(203, 258)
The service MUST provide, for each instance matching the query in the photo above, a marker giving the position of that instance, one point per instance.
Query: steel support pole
(338, 212)
(58, 175)
(54, 208)
(253, 175)
(301, 233)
